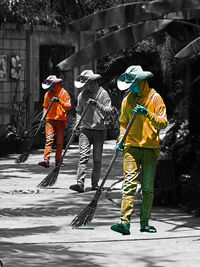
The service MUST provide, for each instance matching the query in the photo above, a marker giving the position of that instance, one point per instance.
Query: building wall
(41, 36)
(12, 42)
(24, 92)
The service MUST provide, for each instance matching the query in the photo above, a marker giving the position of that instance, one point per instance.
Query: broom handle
(116, 152)
(127, 130)
(48, 110)
(74, 131)
(40, 125)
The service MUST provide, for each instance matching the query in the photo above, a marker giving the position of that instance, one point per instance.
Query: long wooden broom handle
(127, 130)
(116, 153)
(74, 130)
(48, 110)
(40, 125)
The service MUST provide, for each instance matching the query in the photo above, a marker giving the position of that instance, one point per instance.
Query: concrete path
(35, 223)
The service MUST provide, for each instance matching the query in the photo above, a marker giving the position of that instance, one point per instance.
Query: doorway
(50, 56)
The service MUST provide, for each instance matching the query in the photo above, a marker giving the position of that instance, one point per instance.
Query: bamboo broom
(24, 156)
(51, 178)
(86, 215)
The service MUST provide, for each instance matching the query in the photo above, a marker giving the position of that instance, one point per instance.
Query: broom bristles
(23, 157)
(85, 216)
(50, 179)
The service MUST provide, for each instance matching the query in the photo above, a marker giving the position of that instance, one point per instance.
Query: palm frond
(168, 6)
(184, 15)
(113, 42)
(190, 50)
(115, 16)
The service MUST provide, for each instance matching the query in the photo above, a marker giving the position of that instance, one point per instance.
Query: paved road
(35, 223)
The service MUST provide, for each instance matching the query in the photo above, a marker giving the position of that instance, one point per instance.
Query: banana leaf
(113, 42)
(123, 14)
(119, 15)
(184, 15)
(168, 6)
(190, 50)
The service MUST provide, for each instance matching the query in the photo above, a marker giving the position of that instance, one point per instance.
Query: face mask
(91, 85)
(134, 88)
(52, 88)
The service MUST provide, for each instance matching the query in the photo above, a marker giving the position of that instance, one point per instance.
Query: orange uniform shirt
(58, 110)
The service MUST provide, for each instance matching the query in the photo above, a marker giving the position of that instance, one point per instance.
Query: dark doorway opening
(50, 56)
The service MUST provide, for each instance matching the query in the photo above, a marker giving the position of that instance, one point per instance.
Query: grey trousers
(87, 138)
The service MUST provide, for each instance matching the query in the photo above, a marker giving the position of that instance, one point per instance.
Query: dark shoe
(77, 187)
(61, 164)
(96, 187)
(44, 164)
(148, 229)
(121, 228)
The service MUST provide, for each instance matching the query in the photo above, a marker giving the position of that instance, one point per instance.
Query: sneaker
(61, 164)
(121, 228)
(148, 229)
(96, 187)
(77, 187)
(44, 164)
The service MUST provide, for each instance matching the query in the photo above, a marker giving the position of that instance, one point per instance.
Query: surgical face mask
(91, 85)
(134, 88)
(52, 87)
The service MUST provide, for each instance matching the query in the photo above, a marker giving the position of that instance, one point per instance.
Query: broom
(86, 215)
(24, 156)
(108, 192)
(51, 178)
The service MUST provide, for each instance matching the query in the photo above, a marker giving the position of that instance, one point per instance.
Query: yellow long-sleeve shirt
(145, 130)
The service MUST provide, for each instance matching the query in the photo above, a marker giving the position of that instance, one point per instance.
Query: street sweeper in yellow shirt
(141, 147)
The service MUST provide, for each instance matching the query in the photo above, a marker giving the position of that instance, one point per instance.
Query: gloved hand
(42, 121)
(92, 102)
(55, 99)
(140, 110)
(118, 149)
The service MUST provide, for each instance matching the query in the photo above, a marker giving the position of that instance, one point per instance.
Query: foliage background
(176, 80)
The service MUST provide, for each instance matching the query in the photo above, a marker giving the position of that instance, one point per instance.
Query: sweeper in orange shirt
(56, 119)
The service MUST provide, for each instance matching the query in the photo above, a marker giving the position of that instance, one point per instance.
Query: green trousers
(136, 158)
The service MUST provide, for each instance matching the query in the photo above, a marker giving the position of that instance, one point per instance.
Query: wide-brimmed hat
(85, 76)
(50, 80)
(132, 74)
